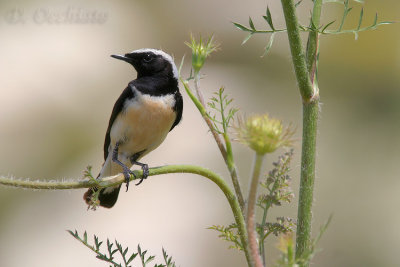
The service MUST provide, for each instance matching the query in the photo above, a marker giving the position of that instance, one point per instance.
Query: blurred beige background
(58, 85)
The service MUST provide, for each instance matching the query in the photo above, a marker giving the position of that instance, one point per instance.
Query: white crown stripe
(163, 54)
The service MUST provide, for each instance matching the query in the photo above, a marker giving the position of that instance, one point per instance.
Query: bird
(143, 115)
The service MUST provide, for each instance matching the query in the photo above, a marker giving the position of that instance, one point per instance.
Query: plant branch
(200, 106)
(58, 185)
(296, 48)
(203, 112)
(313, 38)
(230, 162)
(310, 97)
(262, 236)
(310, 119)
(119, 179)
(251, 216)
(197, 87)
(374, 26)
(100, 256)
(304, 215)
(226, 153)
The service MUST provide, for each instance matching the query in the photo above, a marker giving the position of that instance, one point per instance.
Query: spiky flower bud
(200, 51)
(263, 134)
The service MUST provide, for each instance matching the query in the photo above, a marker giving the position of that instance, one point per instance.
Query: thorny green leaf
(358, 29)
(181, 65)
(168, 259)
(230, 234)
(359, 24)
(88, 173)
(268, 18)
(219, 103)
(241, 27)
(298, 3)
(346, 11)
(132, 257)
(97, 243)
(251, 24)
(143, 257)
(110, 258)
(326, 26)
(269, 45)
(360, 19)
(247, 38)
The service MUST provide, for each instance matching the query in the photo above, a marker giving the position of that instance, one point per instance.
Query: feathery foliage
(252, 29)
(109, 255)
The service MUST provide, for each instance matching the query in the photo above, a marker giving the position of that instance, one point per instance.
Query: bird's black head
(150, 62)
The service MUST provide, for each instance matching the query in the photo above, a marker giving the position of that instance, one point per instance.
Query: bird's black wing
(178, 108)
(118, 107)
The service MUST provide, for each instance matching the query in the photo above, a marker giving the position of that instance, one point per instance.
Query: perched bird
(143, 115)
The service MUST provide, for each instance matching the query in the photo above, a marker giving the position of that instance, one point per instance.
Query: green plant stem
(304, 215)
(261, 236)
(230, 162)
(310, 97)
(345, 13)
(313, 37)
(267, 31)
(310, 119)
(197, 87)
(119, 179)
(203, 112)
(296, 48)
(251, 210)
(57, 185)
(200, 106)
(227, 153)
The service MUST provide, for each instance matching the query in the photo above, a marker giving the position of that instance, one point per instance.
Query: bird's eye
(147, 58)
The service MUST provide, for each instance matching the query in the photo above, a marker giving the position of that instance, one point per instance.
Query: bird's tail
(107, 196)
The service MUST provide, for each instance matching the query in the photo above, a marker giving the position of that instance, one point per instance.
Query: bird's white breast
(143, 124)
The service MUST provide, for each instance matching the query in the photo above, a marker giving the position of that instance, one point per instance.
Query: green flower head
(200, 51)
(263, 134)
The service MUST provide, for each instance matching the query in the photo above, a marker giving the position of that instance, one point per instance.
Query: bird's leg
(126, 171)
(144, 166)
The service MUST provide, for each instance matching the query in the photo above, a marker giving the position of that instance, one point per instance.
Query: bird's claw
(127, 174)
(145, 169)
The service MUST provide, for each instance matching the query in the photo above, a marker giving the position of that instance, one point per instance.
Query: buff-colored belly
(143, 125)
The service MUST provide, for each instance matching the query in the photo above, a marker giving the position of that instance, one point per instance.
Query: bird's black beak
(125, 57)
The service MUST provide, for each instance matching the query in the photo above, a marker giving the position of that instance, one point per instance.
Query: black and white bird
(143, 115)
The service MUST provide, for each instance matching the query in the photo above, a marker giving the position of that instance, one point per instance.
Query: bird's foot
(127, 174)
(145, 169)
